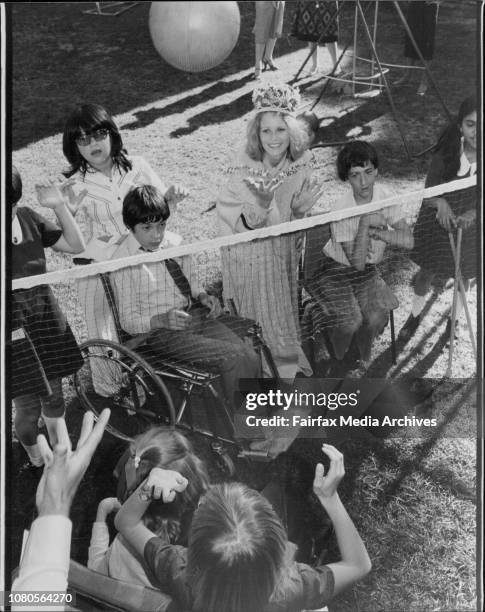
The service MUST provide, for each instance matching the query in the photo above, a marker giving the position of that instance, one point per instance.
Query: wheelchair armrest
(115, 594)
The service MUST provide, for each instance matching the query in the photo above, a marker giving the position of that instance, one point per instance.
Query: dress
(421, 17)
(316, 21)
(432, 250)
(268, 21)
(43, 346)
(261, 277)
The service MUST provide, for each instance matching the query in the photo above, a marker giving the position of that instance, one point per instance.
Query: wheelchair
(142, 388)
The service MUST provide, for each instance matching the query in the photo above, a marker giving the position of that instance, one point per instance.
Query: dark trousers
(211, 344)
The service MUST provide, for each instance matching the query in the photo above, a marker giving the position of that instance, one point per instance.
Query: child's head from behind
(145, 214)
(14, 190)
(91, 139)
(166, 448)
(358, 163)
(236, 550)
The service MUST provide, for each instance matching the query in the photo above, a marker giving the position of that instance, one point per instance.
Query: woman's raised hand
(305, 199)
(263, 188)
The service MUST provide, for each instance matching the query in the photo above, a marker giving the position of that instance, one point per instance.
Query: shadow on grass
(144, 118)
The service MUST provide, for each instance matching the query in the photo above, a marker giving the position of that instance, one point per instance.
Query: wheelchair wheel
(113, 376)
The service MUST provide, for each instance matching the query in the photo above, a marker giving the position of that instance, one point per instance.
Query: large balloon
(194, 36)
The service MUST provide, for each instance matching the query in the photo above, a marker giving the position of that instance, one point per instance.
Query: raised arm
(160, 484)
(355, 563)
(50, 195)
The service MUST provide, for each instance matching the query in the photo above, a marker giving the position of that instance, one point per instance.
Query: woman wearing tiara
(269, 183)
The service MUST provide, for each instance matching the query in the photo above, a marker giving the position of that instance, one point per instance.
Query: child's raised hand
(263, 188)
(309, 194)
(325, 487)
(175, 194)
(49, 194)
(163, 484)
(107, 506)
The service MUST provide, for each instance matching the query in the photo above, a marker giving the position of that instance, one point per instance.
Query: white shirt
(148, 289)
(102, 205)
(45, 561)
(116, 560)
(346, 229)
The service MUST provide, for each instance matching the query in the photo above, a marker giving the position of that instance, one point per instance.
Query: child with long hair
(43, 348)
(158, 448)
(238, 557)
(100, 175)
(454, 157)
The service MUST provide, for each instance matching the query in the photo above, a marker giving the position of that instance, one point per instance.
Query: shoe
(422, 89)
(269, 65)
(256, 76)
(409, 327)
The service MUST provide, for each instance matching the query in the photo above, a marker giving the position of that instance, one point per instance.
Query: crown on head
(280, 98)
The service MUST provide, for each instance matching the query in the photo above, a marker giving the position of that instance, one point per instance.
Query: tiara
(280, 98)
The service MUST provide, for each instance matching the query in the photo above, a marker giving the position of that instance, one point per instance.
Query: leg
(332, 49)
(268, 53)
(314, 56)
(258, 58)
(27, 412)
(200, 347)
(422, 285)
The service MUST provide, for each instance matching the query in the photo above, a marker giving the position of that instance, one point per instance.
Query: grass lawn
(413, 499)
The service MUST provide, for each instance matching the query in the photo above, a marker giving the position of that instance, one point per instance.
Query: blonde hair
(299, 139)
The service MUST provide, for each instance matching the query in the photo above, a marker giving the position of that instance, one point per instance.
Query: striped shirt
(102, 205)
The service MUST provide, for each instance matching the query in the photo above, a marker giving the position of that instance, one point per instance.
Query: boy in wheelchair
(160, 304)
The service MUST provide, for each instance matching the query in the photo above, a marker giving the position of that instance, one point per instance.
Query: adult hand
(325, 487)
(175, 194)
(163, 484)
(212, 303)
(107, 506)
(444, 214)
(263, 188)
(467, 219)
(63, 467)
(309, 194)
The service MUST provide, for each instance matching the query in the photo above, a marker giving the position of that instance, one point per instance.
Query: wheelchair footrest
(254, 455)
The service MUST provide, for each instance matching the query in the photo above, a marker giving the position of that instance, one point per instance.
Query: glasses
(85, 139)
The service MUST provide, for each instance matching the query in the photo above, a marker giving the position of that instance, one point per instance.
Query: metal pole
(374, 38)
(354, 60)
(455, 297)
(462, 295)
(420, 55)
(388, 90)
